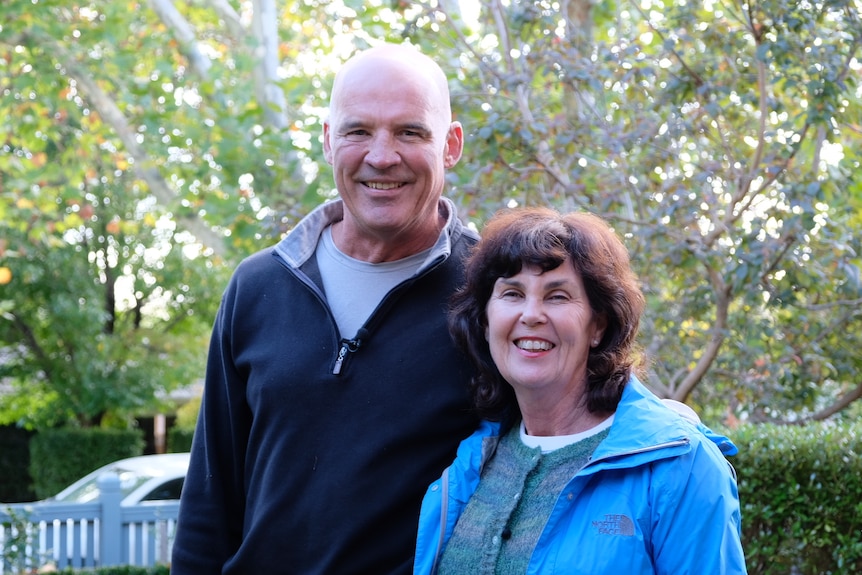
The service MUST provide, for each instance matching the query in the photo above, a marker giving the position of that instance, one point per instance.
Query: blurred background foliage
(147, 146)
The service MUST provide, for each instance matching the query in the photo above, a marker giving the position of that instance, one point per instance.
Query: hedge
(60, 456)
(15, 483)
(800, 489)
(180, 440)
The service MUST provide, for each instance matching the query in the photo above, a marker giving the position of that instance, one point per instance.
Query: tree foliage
(711, 135)
(720, 139)
(104, 312)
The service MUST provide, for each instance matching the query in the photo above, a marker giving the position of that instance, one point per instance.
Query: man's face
(389, 141)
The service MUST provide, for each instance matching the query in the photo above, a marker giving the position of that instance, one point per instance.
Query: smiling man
(390, 138)
(333, 392)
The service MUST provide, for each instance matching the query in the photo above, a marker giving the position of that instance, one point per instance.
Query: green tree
(721, 139)
(104, 313)
(131, 142)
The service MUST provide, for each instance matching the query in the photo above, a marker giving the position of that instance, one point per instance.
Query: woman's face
(540, 331)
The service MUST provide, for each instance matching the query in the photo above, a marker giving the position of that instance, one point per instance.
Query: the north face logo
(613, 524)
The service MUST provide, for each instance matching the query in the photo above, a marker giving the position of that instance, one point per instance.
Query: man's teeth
(533, 345)
(382, 185)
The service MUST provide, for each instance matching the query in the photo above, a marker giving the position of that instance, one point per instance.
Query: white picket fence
(86, 535)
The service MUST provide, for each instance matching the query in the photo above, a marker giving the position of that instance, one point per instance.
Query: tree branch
(230, 17)
(722, 308)
(838, 405)
(30, 341)
(184, 33)
(270, 95)
(849, 303)
(143, 164)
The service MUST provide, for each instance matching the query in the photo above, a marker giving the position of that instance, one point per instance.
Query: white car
(143, 478)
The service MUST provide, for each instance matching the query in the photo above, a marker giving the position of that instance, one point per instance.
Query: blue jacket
(658, 496)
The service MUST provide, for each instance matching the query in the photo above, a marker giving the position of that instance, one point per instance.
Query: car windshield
(168, 490)
(89, 491)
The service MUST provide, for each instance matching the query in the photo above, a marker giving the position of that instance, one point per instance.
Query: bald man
(334, 394)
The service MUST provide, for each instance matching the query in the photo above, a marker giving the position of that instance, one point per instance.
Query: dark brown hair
(544, 238)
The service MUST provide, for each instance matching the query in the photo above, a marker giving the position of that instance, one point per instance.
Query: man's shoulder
(464, 238)
(260, 260)
(259, 267)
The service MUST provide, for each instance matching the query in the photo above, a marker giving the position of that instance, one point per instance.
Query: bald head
(401, 61)
(390, 138)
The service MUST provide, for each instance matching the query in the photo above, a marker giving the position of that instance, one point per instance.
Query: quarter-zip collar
(296, 251)
(299, 244)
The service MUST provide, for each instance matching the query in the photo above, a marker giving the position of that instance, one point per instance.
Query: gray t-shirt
(354, 287)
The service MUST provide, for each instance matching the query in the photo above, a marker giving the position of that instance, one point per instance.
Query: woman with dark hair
(577, 468)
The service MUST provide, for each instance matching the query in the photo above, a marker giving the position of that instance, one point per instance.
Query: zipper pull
(348, 345)
(340, 359)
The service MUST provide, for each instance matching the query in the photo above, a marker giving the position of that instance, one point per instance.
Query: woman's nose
(533, 311)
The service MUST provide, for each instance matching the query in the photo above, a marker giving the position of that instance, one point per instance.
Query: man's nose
(383, 151)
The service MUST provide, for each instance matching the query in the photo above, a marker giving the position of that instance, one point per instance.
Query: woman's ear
(600, 324)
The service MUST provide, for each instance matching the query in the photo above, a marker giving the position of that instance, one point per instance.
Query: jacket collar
(300, 242)
(643, 426)
(644, 429)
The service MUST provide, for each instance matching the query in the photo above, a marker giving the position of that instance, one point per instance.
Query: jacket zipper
(444, 509)
(353, 345)
(348, 346)
(675, 443)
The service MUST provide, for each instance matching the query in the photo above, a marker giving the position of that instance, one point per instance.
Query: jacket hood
(650, 427)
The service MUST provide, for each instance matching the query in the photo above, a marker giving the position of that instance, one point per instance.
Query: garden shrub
(15, 483)
(181, 434)
(179, 440)
(800, 489)
(60, 456)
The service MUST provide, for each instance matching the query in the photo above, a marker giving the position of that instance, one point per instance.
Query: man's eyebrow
(413, 127)
(351, 125)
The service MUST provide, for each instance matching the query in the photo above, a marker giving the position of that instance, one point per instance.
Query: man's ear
(327, 148)
(454, 145)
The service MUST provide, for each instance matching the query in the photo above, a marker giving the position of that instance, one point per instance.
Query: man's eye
(414, 134)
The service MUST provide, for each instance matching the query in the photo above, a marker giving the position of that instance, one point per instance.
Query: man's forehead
(393, 108)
